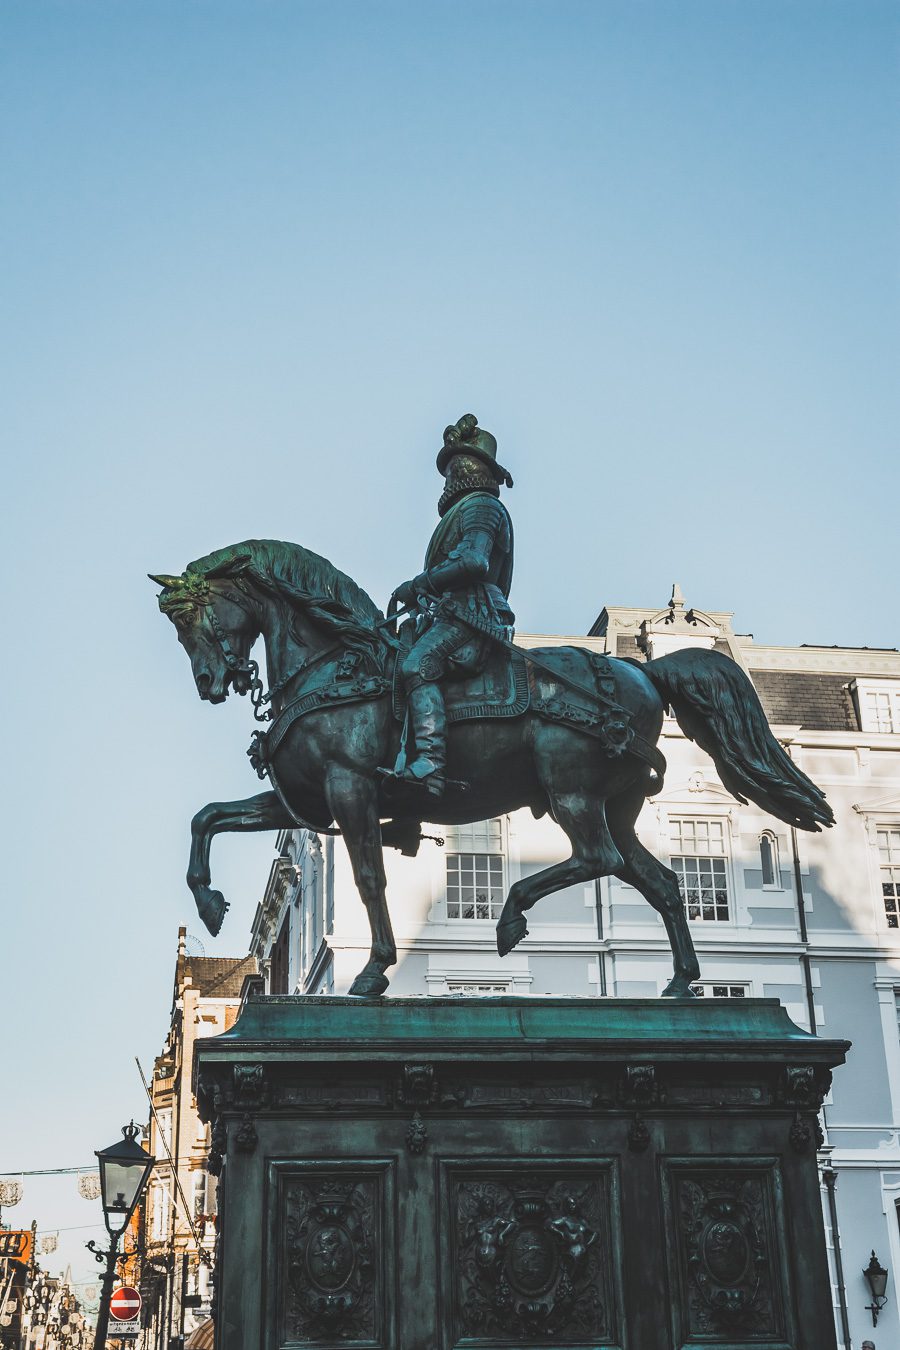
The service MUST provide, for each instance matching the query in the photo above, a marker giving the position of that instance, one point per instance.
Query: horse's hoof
(369, 986)
(678, 987)
(510, 934)
(212, 909)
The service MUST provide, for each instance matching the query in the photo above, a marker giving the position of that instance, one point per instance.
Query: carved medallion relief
(729, 1250)
(332, 1260)
(531, 1261)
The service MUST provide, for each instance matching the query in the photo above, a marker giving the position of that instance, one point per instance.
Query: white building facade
(813, 920)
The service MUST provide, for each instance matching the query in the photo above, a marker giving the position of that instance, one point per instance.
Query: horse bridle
(248, 666)
(261, 701)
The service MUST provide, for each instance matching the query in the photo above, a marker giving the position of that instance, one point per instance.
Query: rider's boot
(428, 725)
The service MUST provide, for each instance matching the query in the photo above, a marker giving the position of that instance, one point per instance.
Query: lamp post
(876, 1278)
(124, 1169)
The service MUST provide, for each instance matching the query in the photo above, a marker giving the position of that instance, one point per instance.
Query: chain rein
(258, 697)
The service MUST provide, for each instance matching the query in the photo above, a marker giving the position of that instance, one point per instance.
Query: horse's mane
(301, 577)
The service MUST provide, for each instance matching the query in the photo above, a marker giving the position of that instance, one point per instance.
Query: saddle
(499, 689)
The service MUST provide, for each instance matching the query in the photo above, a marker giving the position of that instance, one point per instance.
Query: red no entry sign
(125, 1303)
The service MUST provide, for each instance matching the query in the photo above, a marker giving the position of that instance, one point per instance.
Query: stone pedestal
(421, 1174)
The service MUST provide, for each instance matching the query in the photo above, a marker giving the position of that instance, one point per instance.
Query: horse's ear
(163, 579)
(231, 567)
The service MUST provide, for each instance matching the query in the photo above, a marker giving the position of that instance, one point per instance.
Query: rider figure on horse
(462, 595)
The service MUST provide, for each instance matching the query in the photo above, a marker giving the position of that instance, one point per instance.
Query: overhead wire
(70, 1171)
(201, 1250)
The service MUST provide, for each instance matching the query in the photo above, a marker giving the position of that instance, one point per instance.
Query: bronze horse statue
(329, 655)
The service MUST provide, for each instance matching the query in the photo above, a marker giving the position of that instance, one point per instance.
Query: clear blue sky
(257, 255)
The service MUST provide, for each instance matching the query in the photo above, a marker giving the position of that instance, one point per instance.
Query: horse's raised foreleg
(659, 885)
(354, 801)
(262, 812)
(593, 855)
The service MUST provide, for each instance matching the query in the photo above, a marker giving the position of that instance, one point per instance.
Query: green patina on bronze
(427, 1174)
(583, 747)
(556, 1026)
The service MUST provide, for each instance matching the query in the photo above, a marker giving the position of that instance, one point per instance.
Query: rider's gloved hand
(407, 593)
(404, 595)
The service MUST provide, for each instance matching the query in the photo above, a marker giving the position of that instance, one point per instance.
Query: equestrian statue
(374, 726)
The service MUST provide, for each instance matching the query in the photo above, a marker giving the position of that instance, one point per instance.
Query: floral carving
(330, 1226)
(218, 1143)
(801, 1135)
(417, 1134)
(246, 1138)
(638, 1134)
(529, 1261)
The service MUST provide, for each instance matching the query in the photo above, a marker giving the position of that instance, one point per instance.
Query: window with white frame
(474, 863)
(878, 704)
(888, 837)
(700, 861)
(768, 861)
(159, 1213)
(710, 989)
(164, 1127)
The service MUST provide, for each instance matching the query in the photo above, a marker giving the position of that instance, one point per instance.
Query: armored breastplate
(489, 517)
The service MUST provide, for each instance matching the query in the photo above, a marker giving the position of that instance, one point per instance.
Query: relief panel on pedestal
(727, 1255)
(332, 1250)
(530, 1259)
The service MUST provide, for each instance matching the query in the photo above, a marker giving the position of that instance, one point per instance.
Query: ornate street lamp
(124, 1169)
(876, 1278)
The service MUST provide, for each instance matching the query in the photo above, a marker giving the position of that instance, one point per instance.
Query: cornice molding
(821, 660)
(888, 805)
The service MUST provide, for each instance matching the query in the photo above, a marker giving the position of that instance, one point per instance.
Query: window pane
(481, 836)
(704, 885)
(474, 886)
(703, 836)
(766, 860)
(890, 889)
(880, 713)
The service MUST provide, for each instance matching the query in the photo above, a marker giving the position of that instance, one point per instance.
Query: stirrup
(433, 783)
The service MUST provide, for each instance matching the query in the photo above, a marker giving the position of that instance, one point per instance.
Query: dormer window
(878, 704)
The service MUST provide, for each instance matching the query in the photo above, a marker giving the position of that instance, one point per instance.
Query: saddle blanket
(499, 690)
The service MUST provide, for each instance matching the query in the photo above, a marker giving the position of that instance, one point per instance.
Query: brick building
(178, 1214)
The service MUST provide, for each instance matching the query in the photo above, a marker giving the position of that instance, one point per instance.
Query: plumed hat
(466, 437)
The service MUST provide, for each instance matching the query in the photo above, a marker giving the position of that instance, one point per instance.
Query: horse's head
(213, 614)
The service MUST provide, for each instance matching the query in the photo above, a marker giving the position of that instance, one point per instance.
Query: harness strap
(363, 687)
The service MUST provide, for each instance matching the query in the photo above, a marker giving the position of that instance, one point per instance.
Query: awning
(201, 1338)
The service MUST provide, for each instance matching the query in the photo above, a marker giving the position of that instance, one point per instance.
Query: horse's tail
(716, 706)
